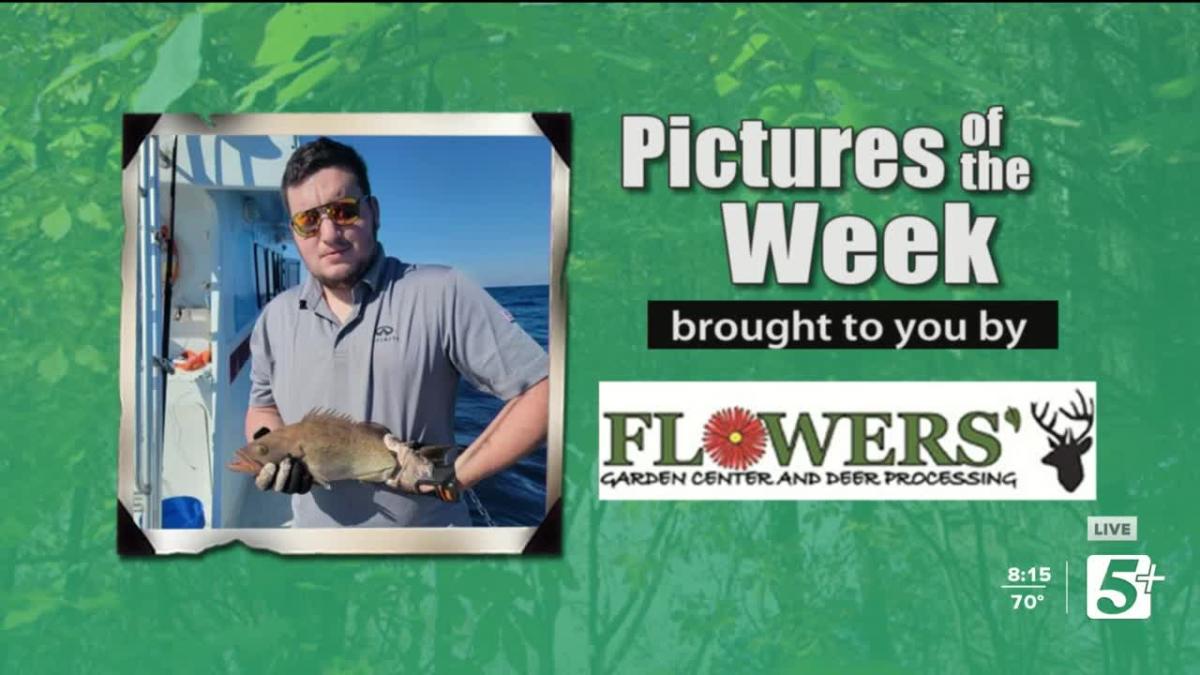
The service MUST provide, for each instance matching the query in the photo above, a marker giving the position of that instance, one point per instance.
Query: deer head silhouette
(1067, 449)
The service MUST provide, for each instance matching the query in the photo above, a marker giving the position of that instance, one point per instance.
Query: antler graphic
(1048, 428)
(1080, 414)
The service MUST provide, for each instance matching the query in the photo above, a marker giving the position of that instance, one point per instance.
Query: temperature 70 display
(1026, 581)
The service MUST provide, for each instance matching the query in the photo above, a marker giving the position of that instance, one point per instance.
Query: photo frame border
(545, 538)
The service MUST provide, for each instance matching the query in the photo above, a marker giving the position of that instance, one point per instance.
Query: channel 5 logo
(1119, 586)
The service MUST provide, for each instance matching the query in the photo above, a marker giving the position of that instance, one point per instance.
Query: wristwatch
(444, 482)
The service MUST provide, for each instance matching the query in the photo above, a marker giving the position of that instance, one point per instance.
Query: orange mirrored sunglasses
(343, 212)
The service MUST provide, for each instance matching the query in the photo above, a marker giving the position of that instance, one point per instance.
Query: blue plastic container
(182, 513)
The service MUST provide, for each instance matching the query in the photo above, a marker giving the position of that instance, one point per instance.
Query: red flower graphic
(735, 438)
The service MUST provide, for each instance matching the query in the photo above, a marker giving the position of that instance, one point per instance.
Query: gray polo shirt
(413, 330)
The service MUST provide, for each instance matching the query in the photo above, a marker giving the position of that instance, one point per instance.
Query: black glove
(290, 476)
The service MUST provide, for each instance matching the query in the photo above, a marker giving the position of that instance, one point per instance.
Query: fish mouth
(243, 463)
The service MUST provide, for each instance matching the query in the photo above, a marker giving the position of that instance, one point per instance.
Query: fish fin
(326, 415)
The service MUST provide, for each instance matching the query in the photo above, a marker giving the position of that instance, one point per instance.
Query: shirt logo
(385, 334)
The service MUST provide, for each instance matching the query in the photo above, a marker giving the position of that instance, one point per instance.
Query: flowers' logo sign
(735, 438)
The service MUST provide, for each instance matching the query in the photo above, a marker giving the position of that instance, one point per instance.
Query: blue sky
(480, 204)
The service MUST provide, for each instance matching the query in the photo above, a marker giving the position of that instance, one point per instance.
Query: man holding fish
(354, 372)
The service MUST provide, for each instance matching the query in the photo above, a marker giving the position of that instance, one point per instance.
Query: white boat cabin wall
(230, 251)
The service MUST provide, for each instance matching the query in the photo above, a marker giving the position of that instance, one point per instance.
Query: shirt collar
(310, 294)
(373, 277)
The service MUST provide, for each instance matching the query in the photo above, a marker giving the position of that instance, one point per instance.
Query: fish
(336, 447)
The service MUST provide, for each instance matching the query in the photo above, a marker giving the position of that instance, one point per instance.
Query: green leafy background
(1102, 99)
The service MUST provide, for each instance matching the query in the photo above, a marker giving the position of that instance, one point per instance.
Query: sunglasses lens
(344, 213)
(305, 223)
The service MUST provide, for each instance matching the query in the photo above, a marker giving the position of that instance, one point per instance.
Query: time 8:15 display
(1029, 575)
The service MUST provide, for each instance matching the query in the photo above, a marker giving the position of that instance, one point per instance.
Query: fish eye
(261, 449)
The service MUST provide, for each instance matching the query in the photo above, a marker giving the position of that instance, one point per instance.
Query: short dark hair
(323, 153)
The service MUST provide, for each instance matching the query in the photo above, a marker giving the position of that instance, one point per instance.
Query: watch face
(448, 492)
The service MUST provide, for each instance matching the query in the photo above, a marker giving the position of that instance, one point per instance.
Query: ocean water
(516, 496)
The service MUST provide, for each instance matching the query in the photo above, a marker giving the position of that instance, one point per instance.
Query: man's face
(336, 256)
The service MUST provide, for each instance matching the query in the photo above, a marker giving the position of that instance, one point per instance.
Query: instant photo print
(209, 244)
